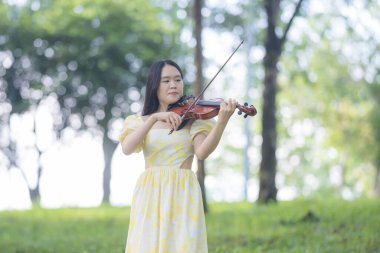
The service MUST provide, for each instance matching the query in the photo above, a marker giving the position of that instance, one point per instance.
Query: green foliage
(329, 90)
(90, 57)
(331, 226)
(88, 54)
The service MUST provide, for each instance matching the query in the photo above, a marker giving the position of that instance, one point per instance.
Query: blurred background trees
(90, 58)
(86, 61)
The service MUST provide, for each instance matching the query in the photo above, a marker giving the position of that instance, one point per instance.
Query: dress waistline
(166, 168)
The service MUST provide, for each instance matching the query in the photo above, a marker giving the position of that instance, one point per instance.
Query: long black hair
(151, 102)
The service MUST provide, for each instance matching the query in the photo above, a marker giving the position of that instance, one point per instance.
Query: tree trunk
(268, 190)
(35, 192)
(273, 47)
(377, 180)
(201, 179)
(249, 85)
(198, 59)
(108, 149)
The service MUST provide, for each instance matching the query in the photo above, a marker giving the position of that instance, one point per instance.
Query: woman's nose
(173, 84)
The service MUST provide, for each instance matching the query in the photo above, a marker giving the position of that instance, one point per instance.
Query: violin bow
(205, 88)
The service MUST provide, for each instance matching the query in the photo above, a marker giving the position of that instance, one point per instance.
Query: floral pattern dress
(167, 210)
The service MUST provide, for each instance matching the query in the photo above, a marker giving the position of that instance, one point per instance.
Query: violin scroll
(248, 110)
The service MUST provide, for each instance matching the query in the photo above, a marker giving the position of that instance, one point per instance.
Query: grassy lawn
(297, 226)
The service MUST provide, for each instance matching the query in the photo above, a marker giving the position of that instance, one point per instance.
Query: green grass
(297, 226)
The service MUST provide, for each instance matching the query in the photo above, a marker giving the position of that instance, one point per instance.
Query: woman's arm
(205, 145)
(134, 139)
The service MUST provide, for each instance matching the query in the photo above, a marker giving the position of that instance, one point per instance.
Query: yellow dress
(167, 210)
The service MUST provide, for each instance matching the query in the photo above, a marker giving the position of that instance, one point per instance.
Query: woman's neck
(162, 108)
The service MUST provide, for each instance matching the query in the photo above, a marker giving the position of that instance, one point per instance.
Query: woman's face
(171, 85)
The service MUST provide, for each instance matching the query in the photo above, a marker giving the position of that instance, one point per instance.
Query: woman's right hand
(172, 119)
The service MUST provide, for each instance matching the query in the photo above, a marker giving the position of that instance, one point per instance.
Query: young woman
(167, 211)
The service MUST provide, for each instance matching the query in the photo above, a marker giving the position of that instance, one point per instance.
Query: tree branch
(296, 10)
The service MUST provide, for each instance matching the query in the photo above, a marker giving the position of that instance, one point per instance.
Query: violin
(194, 108)
(205, 109)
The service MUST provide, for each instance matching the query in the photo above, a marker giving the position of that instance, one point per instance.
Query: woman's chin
(173, 99)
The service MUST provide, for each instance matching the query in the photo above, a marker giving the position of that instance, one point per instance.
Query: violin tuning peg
(239, 112)
(245, 104)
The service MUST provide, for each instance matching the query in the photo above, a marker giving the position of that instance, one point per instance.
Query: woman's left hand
(227, 108)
